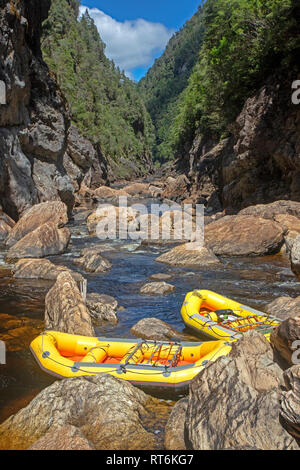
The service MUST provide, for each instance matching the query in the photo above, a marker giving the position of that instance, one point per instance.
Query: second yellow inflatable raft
(217, 317)
(145, 363)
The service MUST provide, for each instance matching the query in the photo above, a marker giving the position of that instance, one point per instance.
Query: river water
(254, 282)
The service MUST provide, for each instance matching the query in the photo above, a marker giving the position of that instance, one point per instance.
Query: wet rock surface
(189, 255)
(157, 288)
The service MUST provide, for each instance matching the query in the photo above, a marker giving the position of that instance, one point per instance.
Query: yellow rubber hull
(197, 302)
(55, 353)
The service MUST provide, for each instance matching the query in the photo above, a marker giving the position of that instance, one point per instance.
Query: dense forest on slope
(168, 77)
(245, 42)
(209, 69)
(104, 103)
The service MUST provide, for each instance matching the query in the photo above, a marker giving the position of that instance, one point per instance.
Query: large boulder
(244, 236)
(189, 254)
(110, 194)
(109, 413)
(48, 212)
(295, 257)
(290, 401)
(174, 432)
(109, 216)
(137, 189)
(284, 307)
(158, 330)
(273, 210)
(284, 338)
(65, 309)
(288, 222)
(103, 308)
(234, 403)
(41, 269)
(93, 262)
(177, 188)
(157, 288)
(44, 241)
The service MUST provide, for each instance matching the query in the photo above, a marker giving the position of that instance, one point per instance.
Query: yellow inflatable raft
(216, 316)
(144, 363)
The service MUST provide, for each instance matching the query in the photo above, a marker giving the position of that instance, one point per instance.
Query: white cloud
(130, 44)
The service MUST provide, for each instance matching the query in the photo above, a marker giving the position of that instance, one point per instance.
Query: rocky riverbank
(242, 252)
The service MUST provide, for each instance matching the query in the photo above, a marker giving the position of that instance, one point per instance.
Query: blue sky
(137, 31)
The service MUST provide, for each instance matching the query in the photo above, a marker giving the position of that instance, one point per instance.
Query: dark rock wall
(260, 161)
(42, 156)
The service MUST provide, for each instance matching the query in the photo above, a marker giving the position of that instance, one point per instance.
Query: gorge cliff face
(42, 155)
(260, 161)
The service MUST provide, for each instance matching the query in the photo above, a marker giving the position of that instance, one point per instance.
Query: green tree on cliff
(104, 103)
(245, 41)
